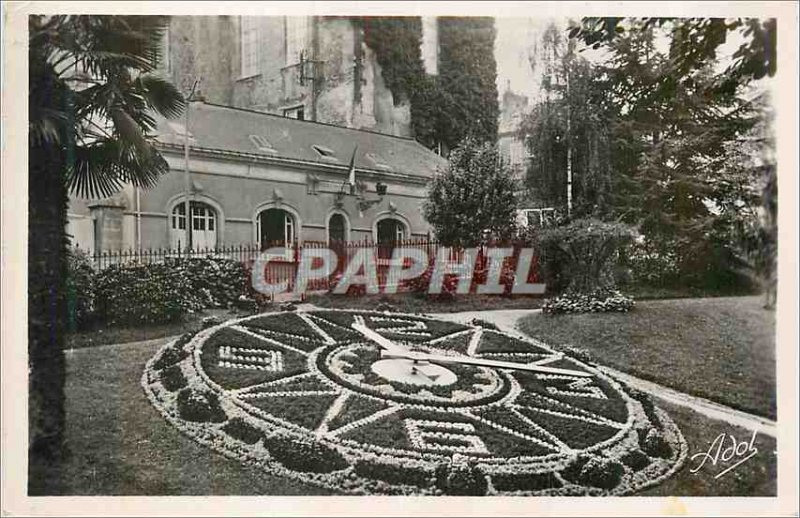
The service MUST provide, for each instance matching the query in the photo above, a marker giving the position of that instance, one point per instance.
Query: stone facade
(244, 163)
(341, 82)
(513, 108)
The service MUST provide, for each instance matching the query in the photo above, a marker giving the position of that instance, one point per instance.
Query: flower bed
(304, 401)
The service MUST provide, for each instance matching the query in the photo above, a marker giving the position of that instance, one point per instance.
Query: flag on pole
(351, 179)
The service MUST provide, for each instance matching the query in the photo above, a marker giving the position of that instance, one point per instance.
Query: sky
(517, 36)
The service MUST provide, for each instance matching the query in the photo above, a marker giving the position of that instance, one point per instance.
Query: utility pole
(187, 182)
(569, 145)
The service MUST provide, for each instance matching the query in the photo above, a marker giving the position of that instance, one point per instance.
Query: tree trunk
(47, 269)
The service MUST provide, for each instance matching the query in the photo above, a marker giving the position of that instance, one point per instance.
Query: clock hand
(387, 344)
(440, 358)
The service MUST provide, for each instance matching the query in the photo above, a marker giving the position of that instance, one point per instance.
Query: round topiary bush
(173, 379)
(460, 477)
(200, 406)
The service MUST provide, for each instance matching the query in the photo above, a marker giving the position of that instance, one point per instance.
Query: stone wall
(348, 89)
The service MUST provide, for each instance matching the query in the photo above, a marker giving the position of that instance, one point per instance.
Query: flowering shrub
(200, 406)
(80, 289)
(599, 300)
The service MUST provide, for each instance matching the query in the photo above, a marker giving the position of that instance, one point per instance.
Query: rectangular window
(249, 46)
(296, 38)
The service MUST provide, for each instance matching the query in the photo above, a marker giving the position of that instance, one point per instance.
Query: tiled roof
(223, 128)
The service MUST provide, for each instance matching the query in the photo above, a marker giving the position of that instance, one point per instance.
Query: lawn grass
(107, 335)
(120, 445)
(755, 477)
(410, 303)
(722, 349)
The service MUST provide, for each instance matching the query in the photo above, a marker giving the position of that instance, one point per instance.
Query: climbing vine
(462, 100)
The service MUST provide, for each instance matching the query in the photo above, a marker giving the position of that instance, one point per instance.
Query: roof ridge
(409, 139)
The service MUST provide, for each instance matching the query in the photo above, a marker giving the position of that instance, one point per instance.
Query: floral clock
(387, 403)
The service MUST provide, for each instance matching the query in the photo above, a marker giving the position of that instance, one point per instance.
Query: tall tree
(91, 99)
(675, 120)
(567, 130)
(474, 196)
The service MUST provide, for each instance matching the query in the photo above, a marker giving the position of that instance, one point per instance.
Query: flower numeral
(444, 436)
(250, 359)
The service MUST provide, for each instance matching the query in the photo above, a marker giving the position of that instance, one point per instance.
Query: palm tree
(92, 96)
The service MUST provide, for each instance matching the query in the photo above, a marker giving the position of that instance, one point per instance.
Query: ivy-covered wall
(467, 72)
(462, 99)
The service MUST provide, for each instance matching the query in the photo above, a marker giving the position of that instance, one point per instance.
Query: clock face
(427, 407)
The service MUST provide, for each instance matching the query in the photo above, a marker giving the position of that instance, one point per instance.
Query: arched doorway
(276, 227)
(203, 226)
(337, 228)
(389, 231)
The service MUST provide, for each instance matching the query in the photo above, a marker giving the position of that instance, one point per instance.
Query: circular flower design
(388, 403)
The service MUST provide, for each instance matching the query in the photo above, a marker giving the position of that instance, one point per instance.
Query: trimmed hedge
(154, 293)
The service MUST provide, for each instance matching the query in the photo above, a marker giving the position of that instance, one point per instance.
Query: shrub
(144, 294)
(598, 300)
(200, 406)
(173, 354)
(420, 285)
(392, 473)
(636, 460)
(218, 281)
(172, 378)
(304, 456)
(241, 430)
(654, 444)
(589, 249)
(484, 324)
(595, 471)
(460, 477)
(137, 293)
(653, 265)
(80, 289)
(603, 473)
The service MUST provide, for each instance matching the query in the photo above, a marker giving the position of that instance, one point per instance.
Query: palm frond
(161, 95)
(102, 168)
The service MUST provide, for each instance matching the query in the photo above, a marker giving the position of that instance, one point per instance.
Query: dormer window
(377, 161)
(325, 153)
(262, 144)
